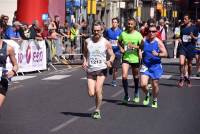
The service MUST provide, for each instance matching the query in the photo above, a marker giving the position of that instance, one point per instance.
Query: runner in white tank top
(96, 54)
(95, 64)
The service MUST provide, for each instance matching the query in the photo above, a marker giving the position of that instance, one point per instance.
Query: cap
(17, 23)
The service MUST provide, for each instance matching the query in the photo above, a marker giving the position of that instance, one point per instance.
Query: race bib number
(113, 42)
(186, 38)
(127, 49)
(143, 69)
(1, 70)
(95, 61)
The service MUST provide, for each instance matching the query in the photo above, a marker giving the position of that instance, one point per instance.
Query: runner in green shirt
(130, 41)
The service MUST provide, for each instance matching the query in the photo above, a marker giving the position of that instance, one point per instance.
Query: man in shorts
(153, 49)
(186, 50)
(112, 34)
(5, 50)
(95, 64)
(129, 42)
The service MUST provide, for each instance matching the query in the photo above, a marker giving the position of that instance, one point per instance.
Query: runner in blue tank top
(153, 49)
(112, 35)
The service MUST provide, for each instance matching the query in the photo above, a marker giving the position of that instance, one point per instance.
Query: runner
(95, 50)
(112, 34)
(153, 49)
(129, 42)
(186, 50)
(5, 50)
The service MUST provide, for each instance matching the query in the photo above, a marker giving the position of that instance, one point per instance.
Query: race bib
(186, 38)
(1, 70)
(127, 49)
(143, 69)
(113, 42)
(95, 61)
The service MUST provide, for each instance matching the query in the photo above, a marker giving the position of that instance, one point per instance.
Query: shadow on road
(168, 85)
(77, 114)
(119, 102)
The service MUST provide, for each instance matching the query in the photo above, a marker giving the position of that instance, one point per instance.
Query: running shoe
(136, 99)
(154, 104)
(114, 83)
(126, 100)
(188, 82)
(146, 100)
(96, 115)
(181, 82)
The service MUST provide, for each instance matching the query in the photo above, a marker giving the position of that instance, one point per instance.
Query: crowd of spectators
(60, 39)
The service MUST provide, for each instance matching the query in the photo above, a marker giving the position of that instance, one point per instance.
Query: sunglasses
(152, 31)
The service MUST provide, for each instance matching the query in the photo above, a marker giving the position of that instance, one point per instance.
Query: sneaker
(126, 99)
(96, 115)
(181, 82)
(114, 83)
(198, 74)
(146, 100)
(188, 82)
(154, 104)
(136, 99)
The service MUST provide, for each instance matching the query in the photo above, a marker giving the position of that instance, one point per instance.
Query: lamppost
(196, 8)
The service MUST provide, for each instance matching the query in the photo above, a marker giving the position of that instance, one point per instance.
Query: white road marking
(195, 78)
(19, 78)
(129, 77)
(117, 93)
(84, 78)
(165, 76)
(57, 77)
(65, 124)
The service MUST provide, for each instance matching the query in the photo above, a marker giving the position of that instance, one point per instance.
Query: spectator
(12, 32)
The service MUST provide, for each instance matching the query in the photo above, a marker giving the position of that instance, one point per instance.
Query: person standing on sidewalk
(112, 34)
(153, 50)
(5, 50)
(95, 64)
(186, 50)
(129, 42)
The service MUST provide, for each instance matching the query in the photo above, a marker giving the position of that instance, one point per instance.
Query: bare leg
(99, 88)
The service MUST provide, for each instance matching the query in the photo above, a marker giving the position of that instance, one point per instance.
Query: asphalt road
(56, 102)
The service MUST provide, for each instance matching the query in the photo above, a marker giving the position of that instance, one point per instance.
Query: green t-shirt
(132, 56)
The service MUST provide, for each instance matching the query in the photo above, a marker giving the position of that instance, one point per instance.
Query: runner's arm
(85, 54)
(163, 51)
(110, 52)
(13, 60)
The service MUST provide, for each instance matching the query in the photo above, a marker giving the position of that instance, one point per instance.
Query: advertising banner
(30, 55)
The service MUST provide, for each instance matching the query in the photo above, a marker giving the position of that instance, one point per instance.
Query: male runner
(95, 64)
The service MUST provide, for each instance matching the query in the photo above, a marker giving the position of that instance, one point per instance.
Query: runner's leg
(125, 67)
(99, 88)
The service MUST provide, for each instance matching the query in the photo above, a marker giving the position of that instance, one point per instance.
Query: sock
(155, 99)
(136, 81)
(125, 85)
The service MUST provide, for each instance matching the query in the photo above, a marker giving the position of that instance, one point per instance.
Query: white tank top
(96, 54)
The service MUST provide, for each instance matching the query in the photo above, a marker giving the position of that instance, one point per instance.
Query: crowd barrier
(30, 55)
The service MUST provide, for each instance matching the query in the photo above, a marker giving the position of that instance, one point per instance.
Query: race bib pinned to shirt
(186, 38)
(143, 69)
(1, 70)
(113, 42)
